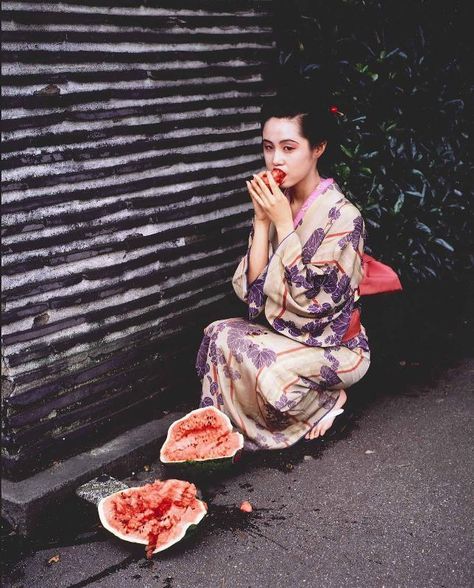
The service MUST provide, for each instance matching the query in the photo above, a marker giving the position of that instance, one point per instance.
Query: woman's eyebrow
(284, 141)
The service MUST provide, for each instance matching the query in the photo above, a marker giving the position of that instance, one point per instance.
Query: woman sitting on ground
(281, 374)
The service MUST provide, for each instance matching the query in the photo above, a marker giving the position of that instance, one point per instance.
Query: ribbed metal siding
(128, 129)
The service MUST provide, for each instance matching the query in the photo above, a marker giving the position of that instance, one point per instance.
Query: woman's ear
(319, 149)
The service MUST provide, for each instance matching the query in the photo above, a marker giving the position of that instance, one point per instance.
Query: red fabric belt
(354, 326)
(378, 278)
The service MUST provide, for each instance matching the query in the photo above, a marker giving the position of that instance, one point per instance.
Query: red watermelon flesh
(157, 514)
(278, 174)
(203, 434)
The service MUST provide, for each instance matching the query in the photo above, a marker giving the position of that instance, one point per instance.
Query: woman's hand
(260, 214)
(272, 202)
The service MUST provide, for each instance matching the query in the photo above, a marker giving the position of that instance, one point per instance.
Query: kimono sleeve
(316, 279)
(240, 277)
(252, 293)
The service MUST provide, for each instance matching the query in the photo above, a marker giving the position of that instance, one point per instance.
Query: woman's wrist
(261, 221)
(283, 231)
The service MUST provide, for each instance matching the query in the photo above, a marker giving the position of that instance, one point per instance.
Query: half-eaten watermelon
(158, 514)
(202, 441)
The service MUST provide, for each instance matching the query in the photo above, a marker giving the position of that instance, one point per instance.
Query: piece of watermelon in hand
(278, 175)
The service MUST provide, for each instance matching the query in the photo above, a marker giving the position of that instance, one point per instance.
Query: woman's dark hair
(300, 98)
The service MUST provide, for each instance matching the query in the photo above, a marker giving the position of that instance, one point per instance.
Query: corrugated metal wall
(128, 129)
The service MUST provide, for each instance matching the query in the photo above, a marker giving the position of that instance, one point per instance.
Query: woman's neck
(303, 189)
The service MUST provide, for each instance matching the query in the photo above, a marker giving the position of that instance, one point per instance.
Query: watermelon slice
(157, 515)
(201, 441)
(278, 174)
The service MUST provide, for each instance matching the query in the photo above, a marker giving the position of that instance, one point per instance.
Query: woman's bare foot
(320, 428)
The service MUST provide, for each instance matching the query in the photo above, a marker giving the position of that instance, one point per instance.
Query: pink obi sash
(378, 278)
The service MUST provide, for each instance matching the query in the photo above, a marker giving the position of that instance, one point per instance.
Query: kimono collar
(311, 198)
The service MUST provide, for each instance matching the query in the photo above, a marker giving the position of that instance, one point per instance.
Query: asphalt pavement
(385, 501)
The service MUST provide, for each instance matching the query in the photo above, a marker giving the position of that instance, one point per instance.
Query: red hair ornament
(335, 111)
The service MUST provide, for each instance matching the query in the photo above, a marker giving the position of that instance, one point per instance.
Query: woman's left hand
(273, 201)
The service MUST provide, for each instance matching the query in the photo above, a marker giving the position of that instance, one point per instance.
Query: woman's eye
(268, 147)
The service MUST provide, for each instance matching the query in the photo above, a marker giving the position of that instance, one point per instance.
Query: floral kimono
(277, 373)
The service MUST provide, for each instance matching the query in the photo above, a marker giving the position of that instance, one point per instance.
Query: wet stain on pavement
(246, 486)
(231, 518)
(285, 460)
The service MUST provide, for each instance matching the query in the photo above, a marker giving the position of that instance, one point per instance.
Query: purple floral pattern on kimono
(314, 282)
(320, 310)
(256, 297)
(342, 290)
(334, 213)
(215, 397)
(326, 400)
(311, 282)
(214, 386)
(328, 379)
(202, 367)
(360, 341)
(206, 401)
(292, 276)
(340, 324)
(207, 350)
(281, 325)
(312, 244)
(315, 327)
(231, 374)
(353, 237)
(239, 344)
(284, 403)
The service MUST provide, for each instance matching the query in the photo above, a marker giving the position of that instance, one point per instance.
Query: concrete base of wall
(29, 502)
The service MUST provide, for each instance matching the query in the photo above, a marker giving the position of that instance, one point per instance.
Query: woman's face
(284, 148)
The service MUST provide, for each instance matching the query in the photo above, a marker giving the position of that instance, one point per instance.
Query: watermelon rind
(188, 528)
(197, 470)
(204, 465)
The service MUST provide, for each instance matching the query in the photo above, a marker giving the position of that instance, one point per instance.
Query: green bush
(398, 73)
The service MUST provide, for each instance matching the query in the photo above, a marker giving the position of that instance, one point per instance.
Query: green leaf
(372, 223)
(376, 208)
(423, 228)
(347, 151)
(431, 271)
(399, 203)
(396, 50)
(369, 155)
(444, 244)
